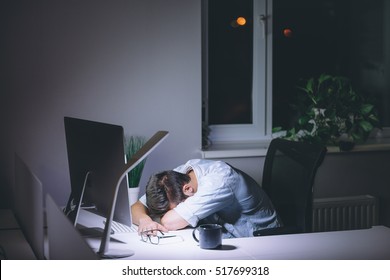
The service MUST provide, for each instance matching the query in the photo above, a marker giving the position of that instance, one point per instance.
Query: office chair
(288, 176)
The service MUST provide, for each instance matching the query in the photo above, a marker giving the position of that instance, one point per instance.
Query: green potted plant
(132, 145)
(329, 111)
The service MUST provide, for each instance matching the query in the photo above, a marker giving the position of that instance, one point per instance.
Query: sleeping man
(204, 191)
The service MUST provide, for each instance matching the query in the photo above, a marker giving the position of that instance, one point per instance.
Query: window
(251, 71)
(338, 37)
(236, 88)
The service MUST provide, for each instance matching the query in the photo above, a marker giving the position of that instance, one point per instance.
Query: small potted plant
(132, 145)
(331, 112)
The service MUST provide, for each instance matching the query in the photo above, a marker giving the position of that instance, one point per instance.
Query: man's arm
(173, 221)
(140, 217)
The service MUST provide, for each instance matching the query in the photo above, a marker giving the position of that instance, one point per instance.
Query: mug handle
(194, 235)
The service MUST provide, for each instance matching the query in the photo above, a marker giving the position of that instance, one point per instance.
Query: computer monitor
(29, 206)
(95, 156)
(97, 168)
(64, 241)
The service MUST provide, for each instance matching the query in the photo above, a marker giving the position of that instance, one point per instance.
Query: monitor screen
(95, 156)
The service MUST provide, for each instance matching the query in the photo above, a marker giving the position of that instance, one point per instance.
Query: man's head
(165, 190)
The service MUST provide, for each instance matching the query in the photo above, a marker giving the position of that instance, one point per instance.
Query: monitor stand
(115, 254)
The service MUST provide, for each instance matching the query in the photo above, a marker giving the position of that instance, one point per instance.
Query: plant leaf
(323, 78)
(366, 126)
(309, 85)
(366, 108)
(277, 129)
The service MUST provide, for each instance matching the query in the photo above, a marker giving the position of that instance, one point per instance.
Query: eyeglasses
(149, 235)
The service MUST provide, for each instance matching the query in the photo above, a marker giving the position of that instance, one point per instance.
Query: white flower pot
(133, 195)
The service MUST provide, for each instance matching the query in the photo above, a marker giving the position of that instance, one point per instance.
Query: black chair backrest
(288, 177)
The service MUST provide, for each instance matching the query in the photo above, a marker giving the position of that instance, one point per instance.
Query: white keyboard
(91, 220)
(121, 228)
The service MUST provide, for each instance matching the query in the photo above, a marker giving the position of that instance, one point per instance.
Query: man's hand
(147, 224)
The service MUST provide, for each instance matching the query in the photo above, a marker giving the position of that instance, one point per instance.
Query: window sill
(369, 146)
(236, 150)
(251, 149)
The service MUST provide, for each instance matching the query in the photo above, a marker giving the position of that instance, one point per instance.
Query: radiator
(345, 213)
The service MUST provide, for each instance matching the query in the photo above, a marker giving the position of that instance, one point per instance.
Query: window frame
(239, 141)
(261, 128)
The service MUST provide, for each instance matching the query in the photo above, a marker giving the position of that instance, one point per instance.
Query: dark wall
(357, 173)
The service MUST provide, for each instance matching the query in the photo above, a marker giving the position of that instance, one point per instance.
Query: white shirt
(226, 196)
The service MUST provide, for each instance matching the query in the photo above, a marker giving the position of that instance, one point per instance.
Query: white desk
(373, 243)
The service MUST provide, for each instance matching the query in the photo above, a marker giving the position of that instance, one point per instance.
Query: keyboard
(91, 220)
(121, 228)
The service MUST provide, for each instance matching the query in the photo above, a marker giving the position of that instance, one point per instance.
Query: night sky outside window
(230, 27)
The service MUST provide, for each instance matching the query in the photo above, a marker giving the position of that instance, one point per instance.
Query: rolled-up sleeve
(142, 199)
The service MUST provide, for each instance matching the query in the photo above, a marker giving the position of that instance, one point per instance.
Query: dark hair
(165, 188)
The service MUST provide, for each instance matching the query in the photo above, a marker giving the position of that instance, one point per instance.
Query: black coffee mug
(210, 236)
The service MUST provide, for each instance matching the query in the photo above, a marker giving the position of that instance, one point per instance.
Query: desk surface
(366, 244)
